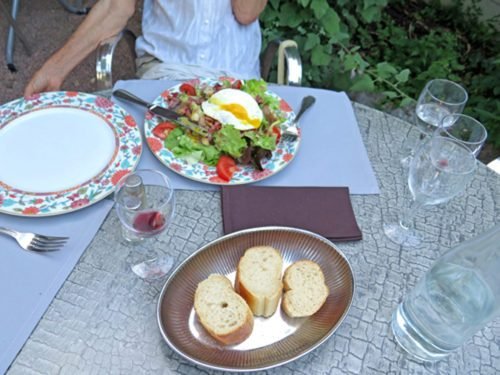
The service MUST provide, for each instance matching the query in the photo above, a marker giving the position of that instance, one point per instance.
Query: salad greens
(249, 146)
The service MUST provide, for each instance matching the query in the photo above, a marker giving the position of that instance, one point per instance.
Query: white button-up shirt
(200, 32)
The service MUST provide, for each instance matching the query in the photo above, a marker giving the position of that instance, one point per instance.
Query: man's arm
(247, 11)
(106, 18)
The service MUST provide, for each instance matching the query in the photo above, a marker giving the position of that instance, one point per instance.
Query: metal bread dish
(274, 341)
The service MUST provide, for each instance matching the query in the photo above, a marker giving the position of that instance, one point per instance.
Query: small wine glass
(464, 129)
(438, 99)
(145, 204)
(440, 170)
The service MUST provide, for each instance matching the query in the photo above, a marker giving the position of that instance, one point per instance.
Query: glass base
(411, 341)
(402, 236)
(145, 261)
(153, 268)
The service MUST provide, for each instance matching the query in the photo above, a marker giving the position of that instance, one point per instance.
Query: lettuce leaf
(267, 142)
(185, 147)
(229, 140)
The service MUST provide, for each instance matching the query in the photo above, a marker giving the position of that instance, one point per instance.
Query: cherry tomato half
(226, 166)
(163, 129)
(236, 85)
(277, 132)
(188, 89)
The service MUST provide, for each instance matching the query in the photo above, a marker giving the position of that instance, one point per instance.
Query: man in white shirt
(181, 39)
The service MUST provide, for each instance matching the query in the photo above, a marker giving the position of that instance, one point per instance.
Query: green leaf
(319, 7)
(304, 3)
(350, 63)
(311, 41)
(290, 15)
(363, 83)
(406, 101)
(319, 56)
(331, 22)
(390, 94)
(274, 4)
(385, 70)
(403, 75)
(371, 14)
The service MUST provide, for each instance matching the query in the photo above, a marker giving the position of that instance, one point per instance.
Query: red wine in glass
(149, 222)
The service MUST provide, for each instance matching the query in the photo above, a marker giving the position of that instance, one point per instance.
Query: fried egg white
(234, 107)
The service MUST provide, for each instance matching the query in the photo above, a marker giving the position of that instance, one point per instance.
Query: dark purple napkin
(323, 210)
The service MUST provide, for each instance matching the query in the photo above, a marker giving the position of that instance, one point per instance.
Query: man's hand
(43, 80)
(105, 19)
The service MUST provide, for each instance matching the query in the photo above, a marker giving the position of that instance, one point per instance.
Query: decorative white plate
(274, 341)
(245, 174)
(62, 151)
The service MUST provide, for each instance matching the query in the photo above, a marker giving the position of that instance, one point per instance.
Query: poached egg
(234, 107)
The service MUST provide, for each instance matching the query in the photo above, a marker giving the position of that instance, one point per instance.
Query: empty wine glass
(440, 170)
(438, 99)
(145, 203)
(464, 129)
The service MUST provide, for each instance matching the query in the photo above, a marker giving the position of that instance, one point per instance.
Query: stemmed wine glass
(440, 170)
(438, 99)
(464, 129)
(145, 204)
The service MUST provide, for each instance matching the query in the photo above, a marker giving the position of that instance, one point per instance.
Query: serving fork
(292, 131)
(35, 242)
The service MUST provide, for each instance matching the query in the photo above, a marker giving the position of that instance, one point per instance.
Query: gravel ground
(46, 25)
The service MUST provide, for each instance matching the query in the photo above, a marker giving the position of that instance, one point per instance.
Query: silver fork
(35, 242)
(292, 131)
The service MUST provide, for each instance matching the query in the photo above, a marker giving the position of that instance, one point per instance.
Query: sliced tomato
(236, 85)
(226, 166)
(277, 132)
(163, 129)
(188, 89)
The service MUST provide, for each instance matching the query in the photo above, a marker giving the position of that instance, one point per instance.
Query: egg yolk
(240, 113)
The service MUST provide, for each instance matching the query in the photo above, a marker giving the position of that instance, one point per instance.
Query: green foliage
(392, 48)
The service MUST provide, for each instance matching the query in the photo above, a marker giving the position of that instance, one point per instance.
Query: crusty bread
(258, 279)
(221, 311)
(305, 289)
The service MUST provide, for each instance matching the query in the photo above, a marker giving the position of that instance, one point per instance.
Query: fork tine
(47, 243)
(50, 238)
(35, 247)
(45, 240)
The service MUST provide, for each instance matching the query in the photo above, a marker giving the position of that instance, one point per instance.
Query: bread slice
(305, 289)
(222, 312)
(258, 279)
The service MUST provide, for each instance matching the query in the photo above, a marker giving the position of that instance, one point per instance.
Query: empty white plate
(62, 151)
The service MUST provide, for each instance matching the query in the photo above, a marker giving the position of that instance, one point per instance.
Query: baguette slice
(222, 312)
(305, 289)
(258, 279)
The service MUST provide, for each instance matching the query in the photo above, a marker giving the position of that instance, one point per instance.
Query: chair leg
(9, 48)
(104, 58)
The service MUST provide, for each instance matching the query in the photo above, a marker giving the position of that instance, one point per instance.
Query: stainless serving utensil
(162, 111)
(292, 131)
(35, 242)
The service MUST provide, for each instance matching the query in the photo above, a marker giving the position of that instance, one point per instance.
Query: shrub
(392, 47)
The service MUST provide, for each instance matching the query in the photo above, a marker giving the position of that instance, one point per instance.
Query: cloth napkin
(29, 281)
(326, 211)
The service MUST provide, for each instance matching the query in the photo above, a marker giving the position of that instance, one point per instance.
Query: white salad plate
(198, 171)
(62, 151)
